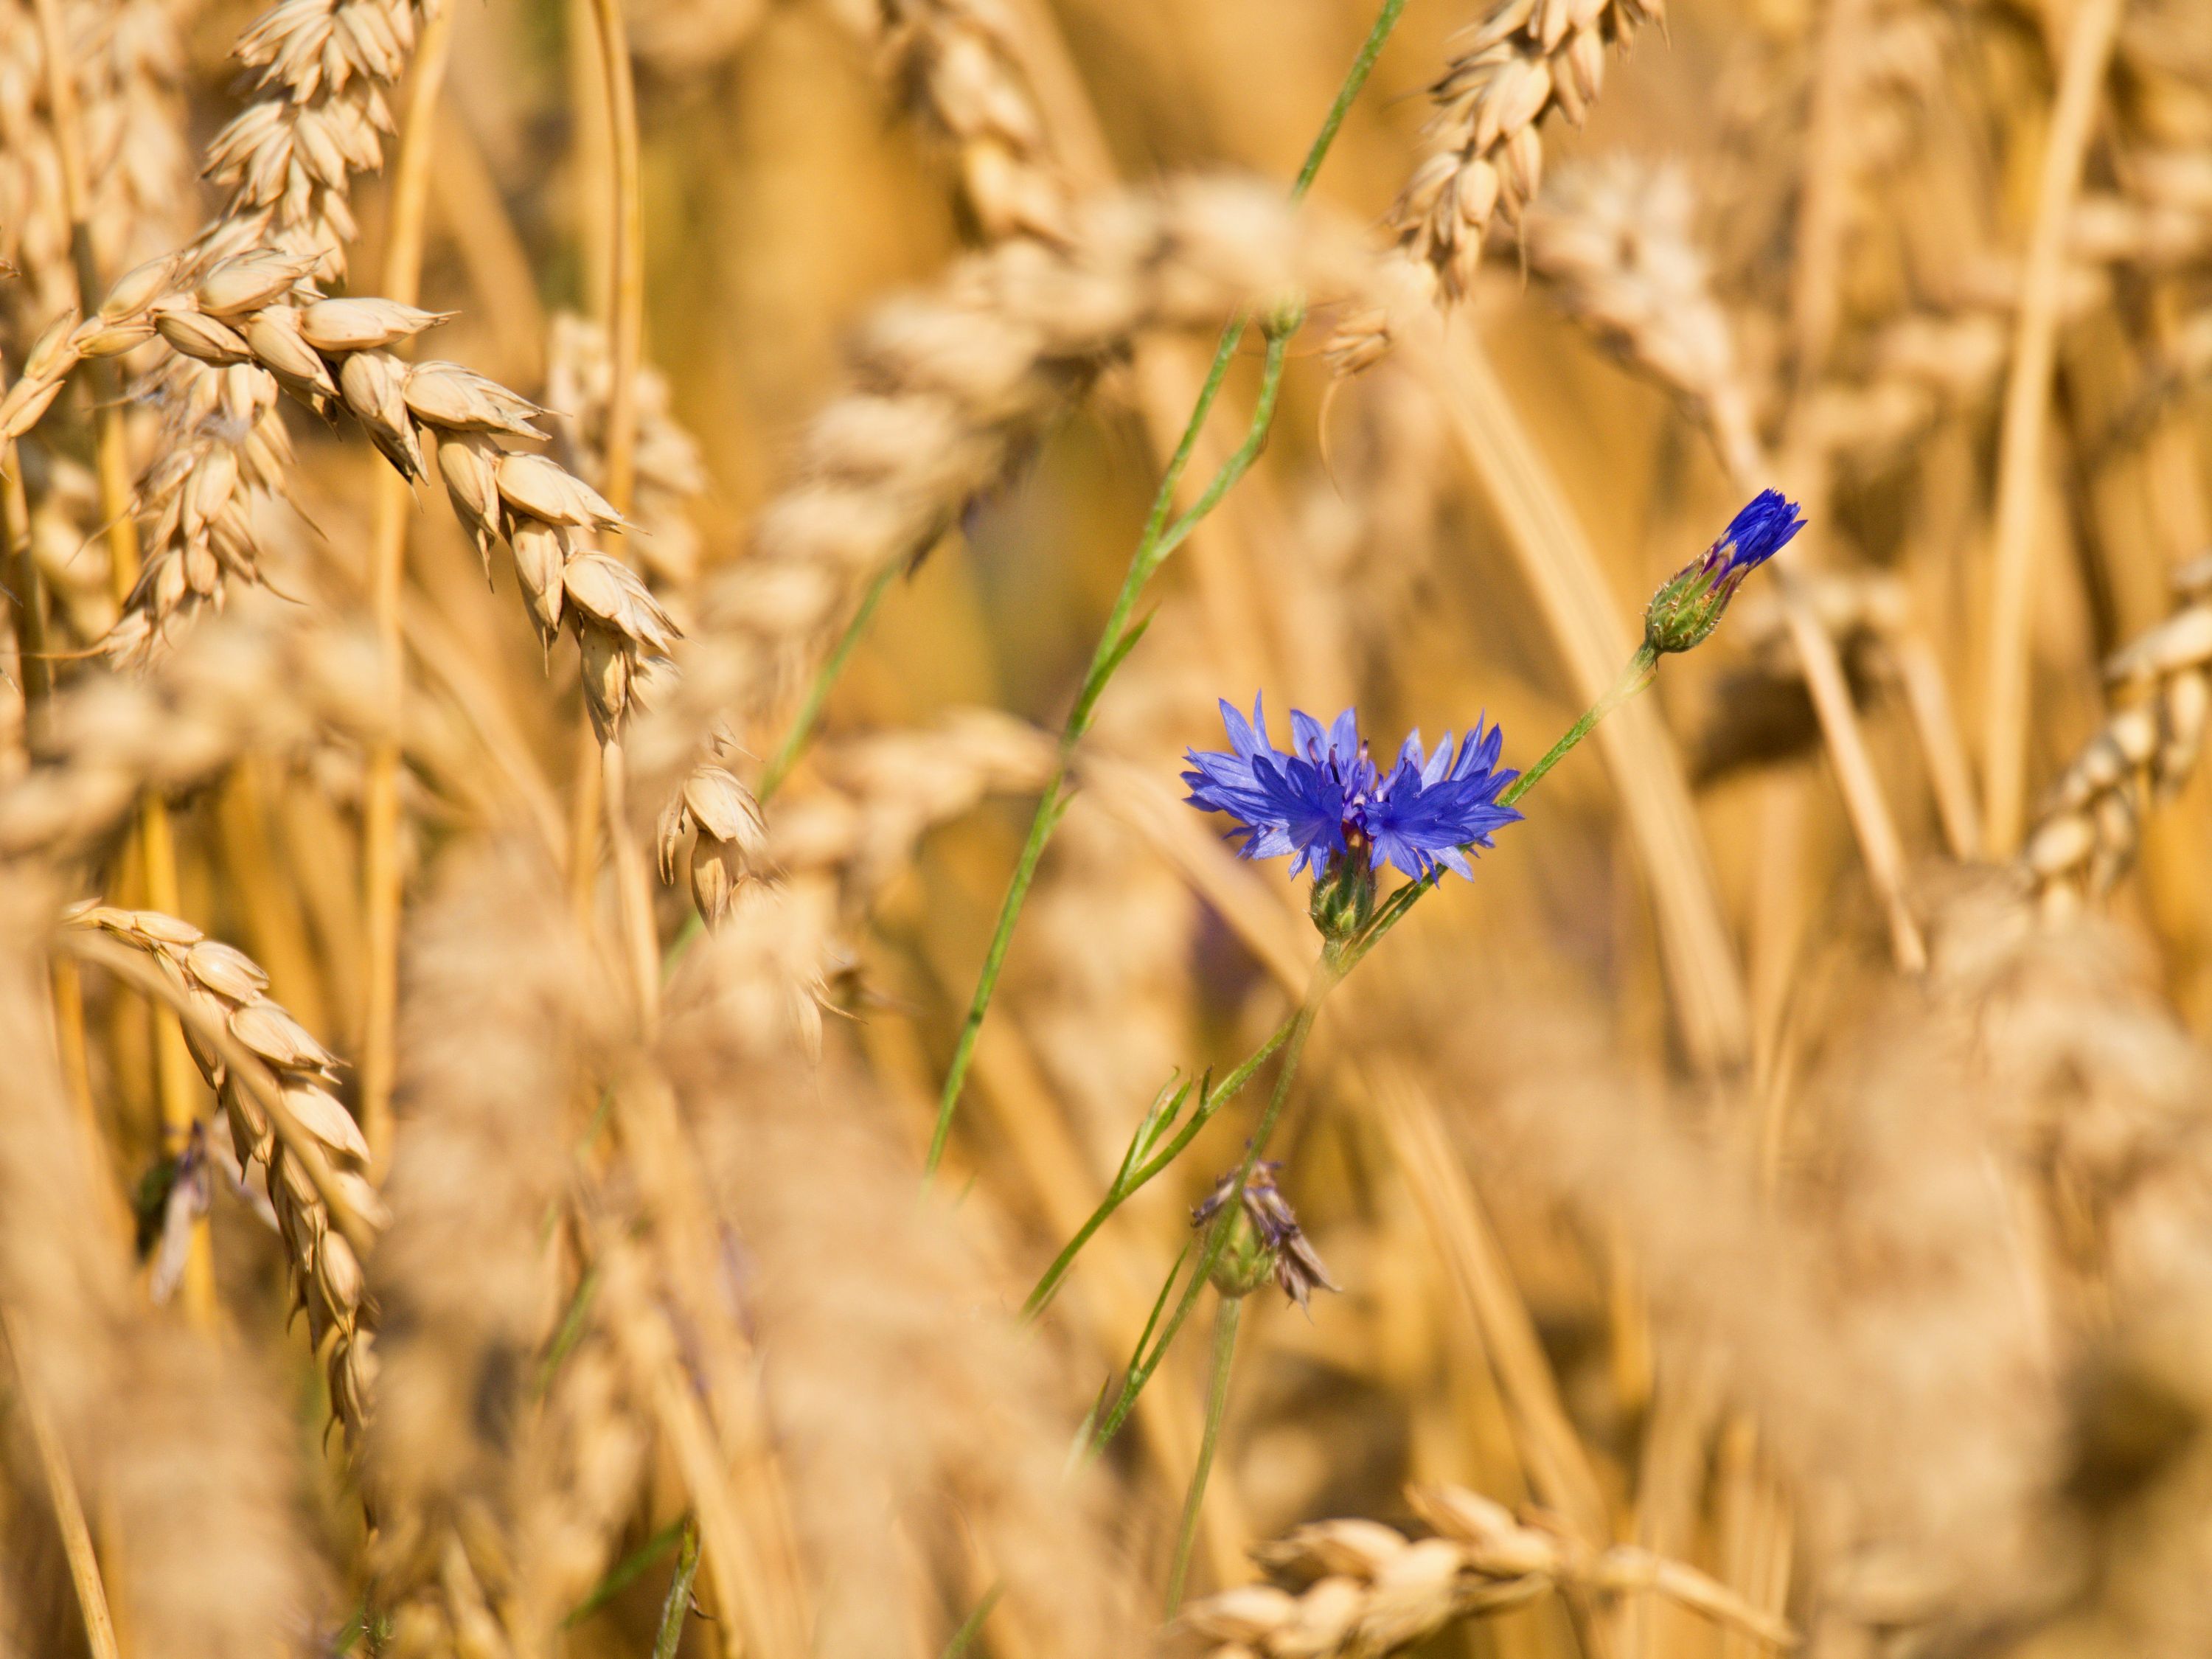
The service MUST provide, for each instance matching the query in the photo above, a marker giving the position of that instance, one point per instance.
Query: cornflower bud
(1689, 606)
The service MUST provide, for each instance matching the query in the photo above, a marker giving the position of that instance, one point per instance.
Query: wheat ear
(225, 990)
(2091, 822)
(1486, 160)
(1370, 1590)
(246, 684)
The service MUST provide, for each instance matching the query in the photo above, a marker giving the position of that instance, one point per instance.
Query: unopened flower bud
(1689, 607)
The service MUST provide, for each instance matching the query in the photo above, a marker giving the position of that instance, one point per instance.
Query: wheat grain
(128, 65)
(1616, 238)
(671, 472)
(960, 62)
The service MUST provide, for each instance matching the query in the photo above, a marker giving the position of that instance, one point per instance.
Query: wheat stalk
(2005, 706)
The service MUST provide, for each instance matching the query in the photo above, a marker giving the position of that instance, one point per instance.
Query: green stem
(1057, 797)
(1641, 670)
(1131, 1181)
(677, 1607)
(573, 1325)
(1326, 975)
(1217, 1406)
(1354, 79)
(1157, 541)
(972, 1626)
(626, 1571)
(801, 729)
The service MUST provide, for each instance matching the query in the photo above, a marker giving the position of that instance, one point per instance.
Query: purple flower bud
(1688, 608)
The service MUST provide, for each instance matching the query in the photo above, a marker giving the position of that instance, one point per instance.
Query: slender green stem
(1217, 1406)
(573, 1323)
(1255, 438)
(1113, 645)
(1354, 79)
(677, 1607)
(1146, 1360)
(972, 1626)
(801, 729)
(1157, 541)
(1326, 975)
(1057, 797)
(626, 1572)
(1641, 670)
(1133, 1179)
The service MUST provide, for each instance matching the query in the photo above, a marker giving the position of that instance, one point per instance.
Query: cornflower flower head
(1689, 606)
(1325, 802)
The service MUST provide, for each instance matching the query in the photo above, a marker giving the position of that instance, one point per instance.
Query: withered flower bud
(1264, 1240)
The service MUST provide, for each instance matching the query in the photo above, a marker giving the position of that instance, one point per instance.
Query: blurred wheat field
(616, 1035)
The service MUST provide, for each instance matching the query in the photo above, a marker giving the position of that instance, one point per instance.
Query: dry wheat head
(1364, 1589)
(2092, 819)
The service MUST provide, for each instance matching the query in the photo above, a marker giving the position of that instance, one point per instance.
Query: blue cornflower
(1325, 802)
(1689, 606)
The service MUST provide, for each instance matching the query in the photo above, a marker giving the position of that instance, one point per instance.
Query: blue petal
(1344, 742)
(1242, 737)
(1440, 767)
(1410, 751)
(1761, 530)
